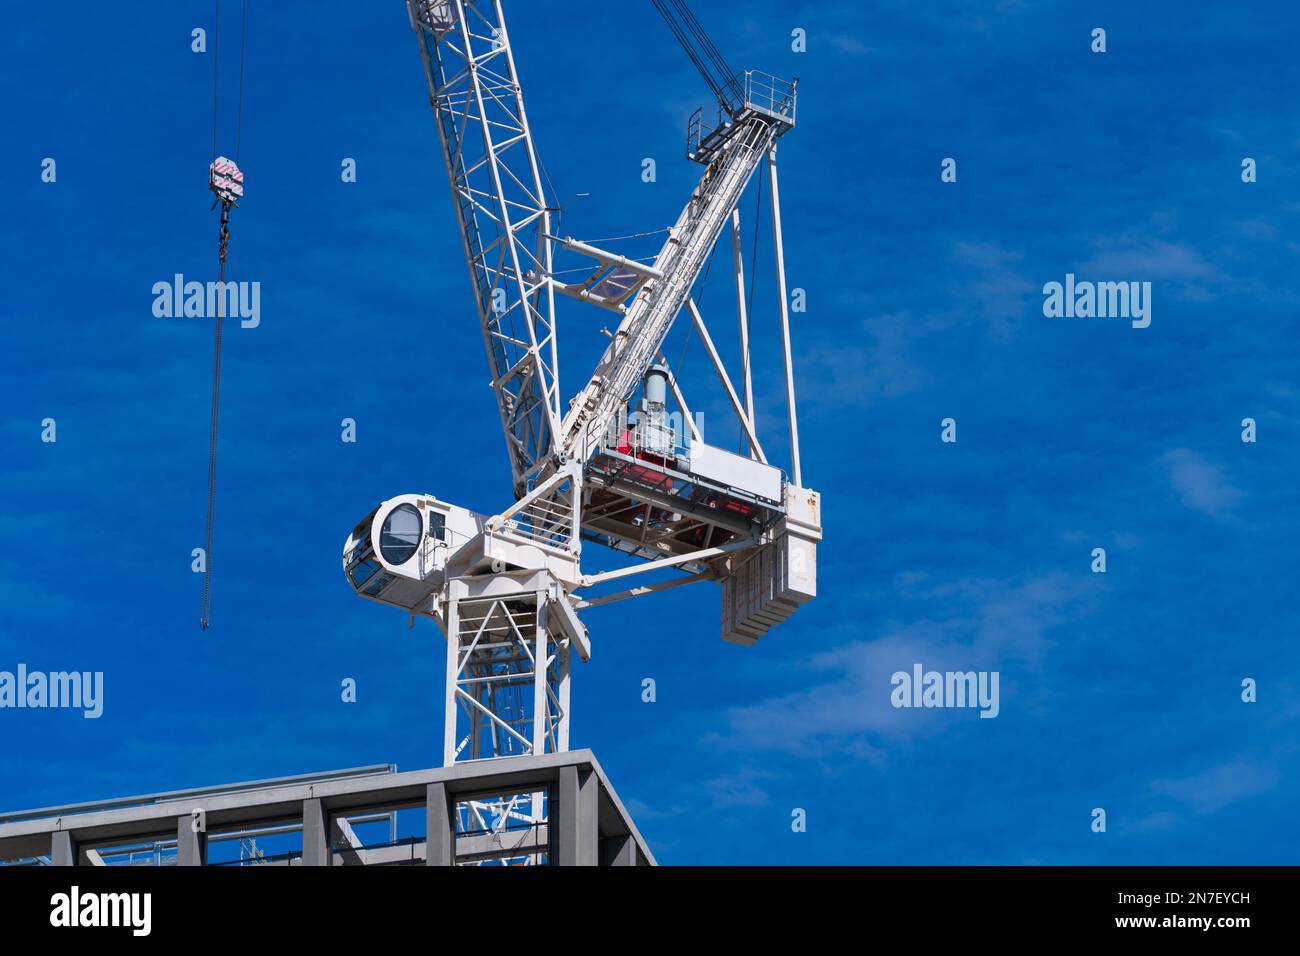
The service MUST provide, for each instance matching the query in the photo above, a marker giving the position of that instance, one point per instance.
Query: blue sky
(1119, 691)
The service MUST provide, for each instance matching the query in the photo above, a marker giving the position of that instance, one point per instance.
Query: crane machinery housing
(506, 588)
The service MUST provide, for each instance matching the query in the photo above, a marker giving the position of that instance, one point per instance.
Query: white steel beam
(742, 309)
(795, 471)
(745, 422)
(702, 555)
(681, 399)
(644, 589)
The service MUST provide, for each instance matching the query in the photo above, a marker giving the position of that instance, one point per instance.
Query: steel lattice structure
(496, 186)
(505, 588)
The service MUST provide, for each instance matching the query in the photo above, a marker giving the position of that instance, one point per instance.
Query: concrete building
(475, 813)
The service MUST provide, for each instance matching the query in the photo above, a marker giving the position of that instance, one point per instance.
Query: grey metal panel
(576, 817)
(735, 471)
(315, 842)
(63, 849)
(191, 845)
(564, 815)
(371, 770)
(618, 851)
(588, 817)
(439, 839)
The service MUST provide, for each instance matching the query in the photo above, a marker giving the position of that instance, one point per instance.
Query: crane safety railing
(546, 519)
(697, 134)
(447, 539)
(758, 92)
(771, 95)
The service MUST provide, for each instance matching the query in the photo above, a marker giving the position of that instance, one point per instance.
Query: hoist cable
(700, 50)
(223, 242)
(635, 235)
(212, 434)
(216, 60)
(239, 122)
(706, 46)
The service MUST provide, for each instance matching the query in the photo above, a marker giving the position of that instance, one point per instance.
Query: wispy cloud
(993, 284)
(1000, 624)
(842, 374)
(1200, 484)
(1150, 259)
(1220, 786)
(743, 788)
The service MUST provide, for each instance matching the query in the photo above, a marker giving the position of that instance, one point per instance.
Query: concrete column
(315, 835)
(63, 849)
(439, 840)
(576, 818)
(343, 837)
(191, 845)
(618, 851)
(450, 708)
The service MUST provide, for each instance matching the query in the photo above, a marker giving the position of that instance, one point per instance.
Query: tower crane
(506, 588)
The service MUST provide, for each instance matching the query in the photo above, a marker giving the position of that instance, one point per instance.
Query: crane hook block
(225, 179)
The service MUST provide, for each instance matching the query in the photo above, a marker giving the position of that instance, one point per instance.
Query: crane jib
(503, 214)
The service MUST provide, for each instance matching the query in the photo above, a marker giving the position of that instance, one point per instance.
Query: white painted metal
(764, 587)
(756, 478)
(502, 587)
(700, 555)
(508, 654)
(745, 421)
(226, 180)
(503, 212)
(640, 336)
(796, 472)
(644, 589)
(614, 282)
(742, 311)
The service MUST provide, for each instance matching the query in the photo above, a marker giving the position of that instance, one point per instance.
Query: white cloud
(1200, 484)
(1220, 786)
(999, 623)
(740, 789)
(1150, 260)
